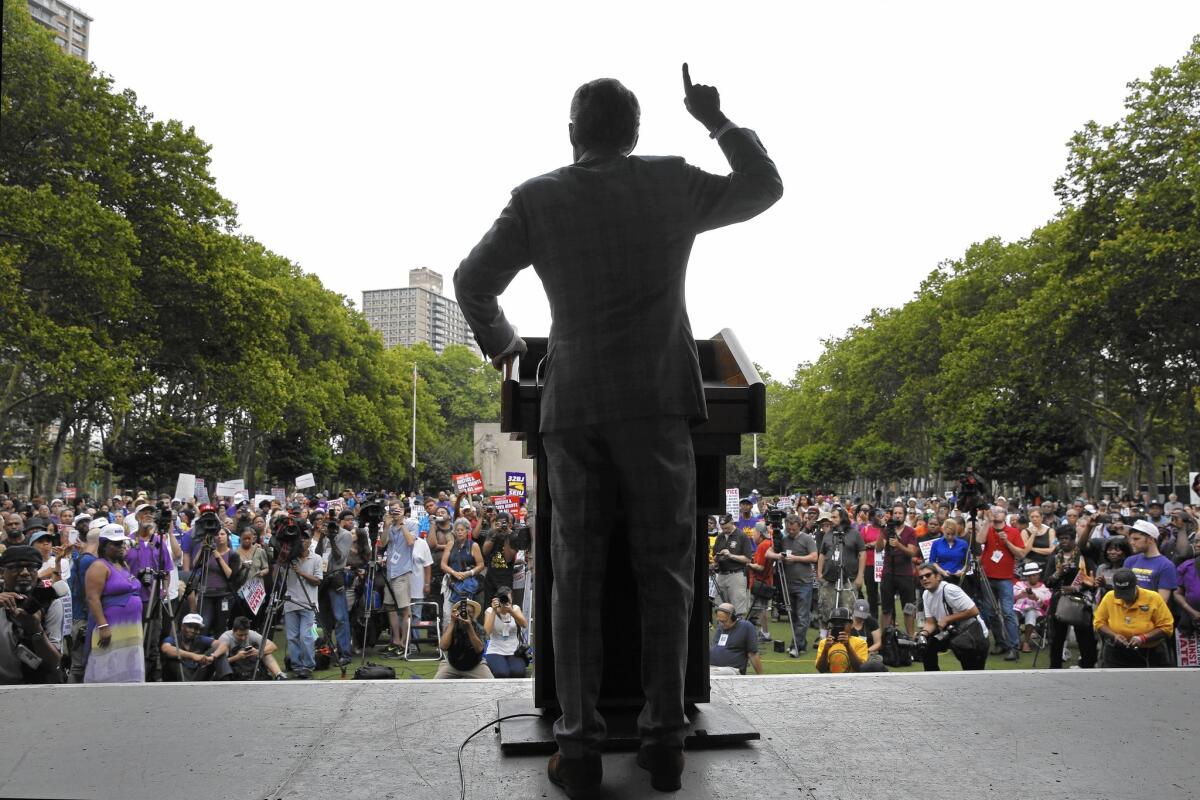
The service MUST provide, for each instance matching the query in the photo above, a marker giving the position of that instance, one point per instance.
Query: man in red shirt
(1002, 545)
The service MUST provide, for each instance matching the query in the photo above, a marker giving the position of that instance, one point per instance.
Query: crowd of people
(1115, 578)
(139, 589)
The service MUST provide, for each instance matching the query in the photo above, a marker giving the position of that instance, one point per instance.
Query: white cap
(98, 522)
(193, 619)
(114, 533)
(1147, 527)
(80, 518)
(1089, 508)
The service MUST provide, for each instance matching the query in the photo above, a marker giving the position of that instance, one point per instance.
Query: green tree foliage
(1029, 360)
(133, 311)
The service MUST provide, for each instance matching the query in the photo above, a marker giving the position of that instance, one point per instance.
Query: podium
(736, 400)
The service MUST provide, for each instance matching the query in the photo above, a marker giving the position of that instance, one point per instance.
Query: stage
(1067, 734)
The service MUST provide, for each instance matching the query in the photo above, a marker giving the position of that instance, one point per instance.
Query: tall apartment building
(71, 27)
(418, 313)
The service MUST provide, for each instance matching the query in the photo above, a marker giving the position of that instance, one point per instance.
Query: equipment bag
(374, 672)
(893, 654)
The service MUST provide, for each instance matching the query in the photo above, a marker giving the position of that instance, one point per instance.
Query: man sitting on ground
(201, 658)
(735, 643)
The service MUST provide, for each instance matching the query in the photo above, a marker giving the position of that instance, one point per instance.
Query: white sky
(361, 140)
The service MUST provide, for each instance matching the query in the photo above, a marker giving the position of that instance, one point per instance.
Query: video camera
(775, 519)
(164, 517)
(970, 493)
(371, 512)
(208, 525)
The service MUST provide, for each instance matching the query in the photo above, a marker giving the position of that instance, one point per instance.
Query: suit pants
(639, 474)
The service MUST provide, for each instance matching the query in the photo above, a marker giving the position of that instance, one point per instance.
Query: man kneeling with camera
(952, 622)
(462, 641)
(243, 645)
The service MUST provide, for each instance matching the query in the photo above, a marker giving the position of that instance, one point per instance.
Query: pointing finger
(687, 78)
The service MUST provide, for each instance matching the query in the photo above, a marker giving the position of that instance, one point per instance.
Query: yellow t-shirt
(839, 659)
(1147, 612)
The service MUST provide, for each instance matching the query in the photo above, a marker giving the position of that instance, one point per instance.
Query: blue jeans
(341, 618)
(800, 597)
(505, 666)
(1003, 589)
(300, 644)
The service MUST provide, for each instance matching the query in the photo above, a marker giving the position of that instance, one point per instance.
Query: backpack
(893, 654)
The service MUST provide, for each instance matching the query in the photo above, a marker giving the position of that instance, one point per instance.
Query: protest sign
(926, 546)
(469, 483)
(305, 481)
(253, 592)
(185, 487)
(783, 503)
(1189, 649)
(732, 496)
(69, 493)
(259, 498)
(515, 483)
(509, 503)
(1194, 482)
(279, 494)
(230, 488)
(201, 491)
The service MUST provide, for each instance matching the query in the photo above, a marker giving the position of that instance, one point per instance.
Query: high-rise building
(418, 313)
(71, 27)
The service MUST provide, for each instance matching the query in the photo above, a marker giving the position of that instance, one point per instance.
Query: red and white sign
(254, 591)
(510, 503)
(469, 483)
(1189, 649)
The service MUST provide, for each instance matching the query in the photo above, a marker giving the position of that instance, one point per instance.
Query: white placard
(1194, 482)
(258, 498)
(783, 502)
(926, 546)
(230, 488)
(732, 498)
(305, 481)
(185, 486)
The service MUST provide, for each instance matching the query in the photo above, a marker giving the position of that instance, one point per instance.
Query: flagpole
(412, 467)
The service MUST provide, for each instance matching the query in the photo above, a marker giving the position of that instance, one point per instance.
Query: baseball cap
(840, 614)
(1031, 568)
(142, 507)
(1124, 584)
(98, 522)
(114, 532)
(193, 619)
(1146, 527)
(80, 518)
(745, 501)
(35, 524)
(862, 609)
(42, 534)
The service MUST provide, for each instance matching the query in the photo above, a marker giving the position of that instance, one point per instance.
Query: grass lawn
(773, 663)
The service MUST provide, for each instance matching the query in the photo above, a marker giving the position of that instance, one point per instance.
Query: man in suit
(610, 236)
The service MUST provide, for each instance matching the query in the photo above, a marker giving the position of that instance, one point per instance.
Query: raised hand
(702, 102)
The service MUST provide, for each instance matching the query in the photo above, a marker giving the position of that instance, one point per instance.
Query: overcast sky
(361, 140)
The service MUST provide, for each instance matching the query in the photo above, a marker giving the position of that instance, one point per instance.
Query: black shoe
(998, 649)
(344, 660)
(303, 674)
(579, 777)
(1011, 655)
(665, 765)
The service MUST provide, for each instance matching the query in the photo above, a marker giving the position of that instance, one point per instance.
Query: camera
(42, 595)
(208, 524)
(504, 595)
(464, 612)
(163, 517)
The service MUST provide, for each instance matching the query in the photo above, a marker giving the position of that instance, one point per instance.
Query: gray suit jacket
(610, 237)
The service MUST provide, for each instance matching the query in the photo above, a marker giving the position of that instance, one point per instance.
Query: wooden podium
(736, 399)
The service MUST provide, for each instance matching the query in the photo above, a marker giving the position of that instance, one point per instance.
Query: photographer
(397, 538)
(243, 645)
(503, 623)
(1002, 545)
(952, 622)
(30, 633)
(840, 651)
(462, 641)
(897, 547)
(796, 557)
(301, 603)
(840, 566)
(732, 552)
(499, 549)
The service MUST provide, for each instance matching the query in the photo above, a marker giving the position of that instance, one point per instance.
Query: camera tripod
(276, 599)
(156, 607)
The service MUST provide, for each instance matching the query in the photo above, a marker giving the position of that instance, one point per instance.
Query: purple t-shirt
(1153, 572)
(141, 555)
(1188, 578)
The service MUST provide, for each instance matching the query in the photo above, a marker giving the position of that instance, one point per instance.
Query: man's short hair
(241, 623)
(605, 114)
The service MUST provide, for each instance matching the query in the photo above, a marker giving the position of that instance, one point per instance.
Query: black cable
(462, 780)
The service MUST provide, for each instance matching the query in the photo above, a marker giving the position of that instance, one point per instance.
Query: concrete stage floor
(1038, 735)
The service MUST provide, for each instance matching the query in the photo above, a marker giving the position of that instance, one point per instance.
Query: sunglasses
(925, 575)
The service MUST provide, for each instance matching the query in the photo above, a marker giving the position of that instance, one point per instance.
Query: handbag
(1072, 609)
(464, 589)
(374, 672)
(762, 590)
